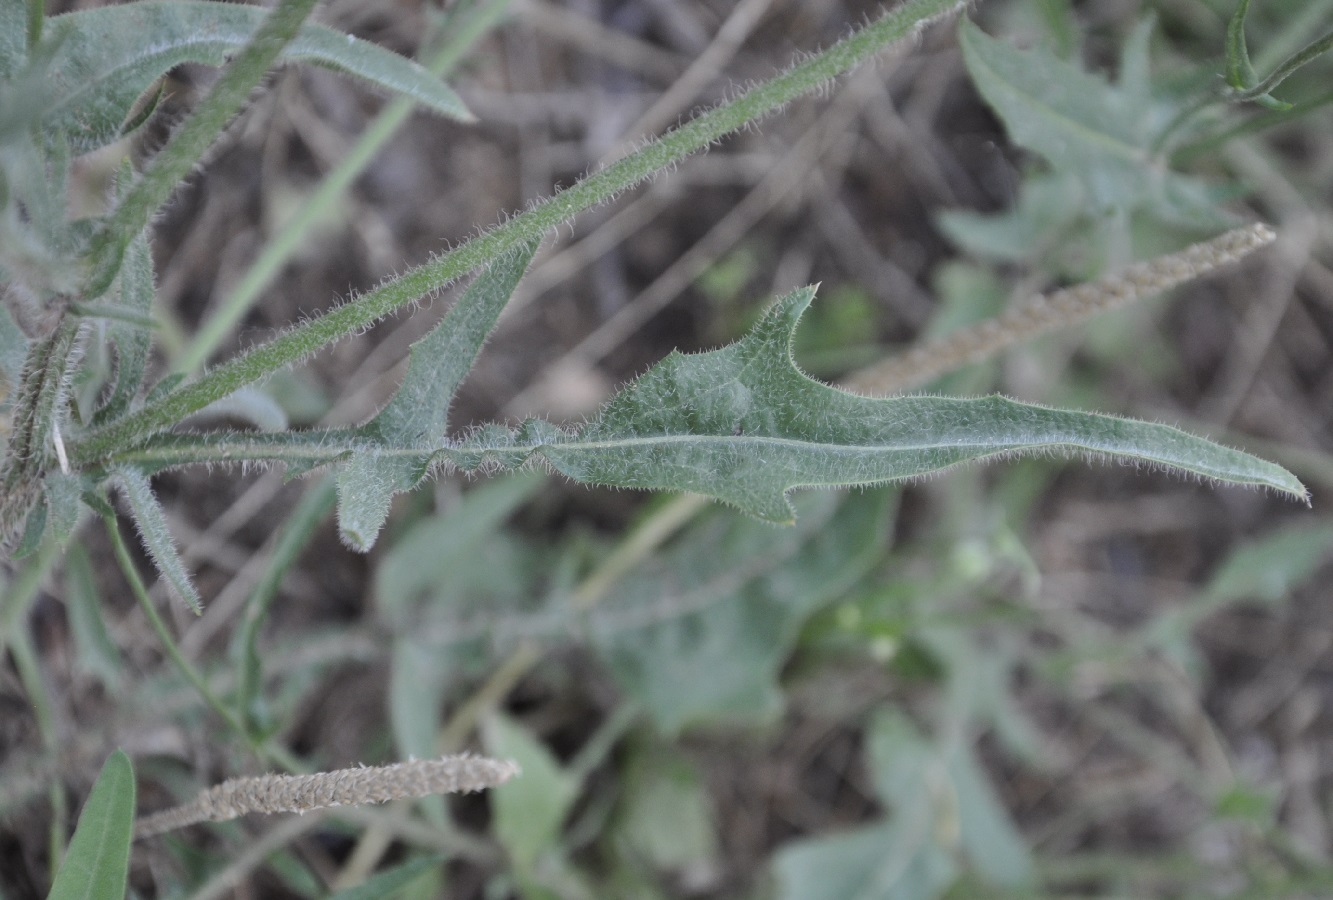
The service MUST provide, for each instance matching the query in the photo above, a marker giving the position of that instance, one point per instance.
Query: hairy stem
(189, 144)
(592, 190)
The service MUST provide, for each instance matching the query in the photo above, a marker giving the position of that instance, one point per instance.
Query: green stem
(30, 675)
(1284, 70)
(314, 507)
(319, 206)
(592, 190)
(36, 16)
(187, 147)
(159, 627)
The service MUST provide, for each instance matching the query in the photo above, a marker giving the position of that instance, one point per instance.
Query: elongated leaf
(1083, 125)
(133, 341)
(744, 425)
(107, 58)
(156, 537)
(418, 413)
(98, 861)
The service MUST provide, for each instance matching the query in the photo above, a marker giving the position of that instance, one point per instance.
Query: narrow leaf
(133, 341)
(97, 864)
(418, 413)
(108, 58)
(1240, 72)
(390, 881)
(743, 424)
(97, 653)
(153, 531)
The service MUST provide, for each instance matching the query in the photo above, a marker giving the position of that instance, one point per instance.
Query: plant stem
(163, 634)
(592, 190)
(189, 144)
(318, 207)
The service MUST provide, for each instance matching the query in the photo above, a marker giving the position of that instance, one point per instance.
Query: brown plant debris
(359, 786)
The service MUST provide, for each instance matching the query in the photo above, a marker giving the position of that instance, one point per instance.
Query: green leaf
(883, 861)
(97, 864)
(387, 883)
(667, 817)
(700, 636)
(13, 36)
(1271, 568)
(133, 342)
(97, 652)
(156, 537)
(1240, 72)
(530, 810)
(107, 58)
(1083, 125)
(417, 416)
(744, 425)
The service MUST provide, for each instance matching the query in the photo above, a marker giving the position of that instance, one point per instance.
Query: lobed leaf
(97, 864)
(744, 425)
(107, 58)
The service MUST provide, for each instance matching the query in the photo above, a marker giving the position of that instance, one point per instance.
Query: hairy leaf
(106, 58)
(417, 416)
(156, 537)
(98, 860)
(133, 341)
(1104, 133)
(744, 425)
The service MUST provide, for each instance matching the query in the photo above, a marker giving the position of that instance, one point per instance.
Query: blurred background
(1045, 678)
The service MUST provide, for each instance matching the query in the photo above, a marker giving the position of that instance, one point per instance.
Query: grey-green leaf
(744, 425)
(390, 881)
(417, 416)
(107, 58)
(698, 638)
(98, 860)
(156, 537)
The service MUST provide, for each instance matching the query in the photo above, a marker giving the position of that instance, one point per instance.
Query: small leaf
(387, 883)
(530, 810)
(97, 864)
(1240, 72)
(700, 636)
(63, 493)
(882, 861)
(133, 342)
(417, 416)
(744, 425)
(1084, 126)
(107, 58)
(156, 537)
(1271, 568)
(97, 653)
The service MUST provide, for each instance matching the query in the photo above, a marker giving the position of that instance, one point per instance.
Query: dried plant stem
(342, 787)
(1047, 312)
